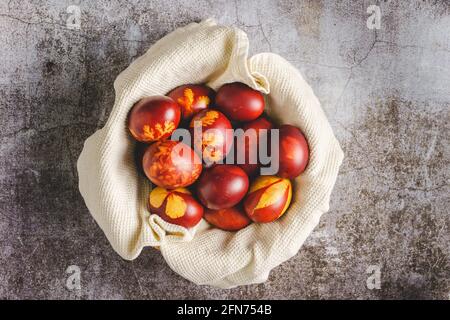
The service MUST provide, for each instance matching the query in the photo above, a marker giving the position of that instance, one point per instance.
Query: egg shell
(192, 98)
(176, 206)
(171, 164)
(153, 118)
(212, 135)
(222, 186)
(268, 198)
(240, 102)
(229, 219)
(293, 152)
(250, 148)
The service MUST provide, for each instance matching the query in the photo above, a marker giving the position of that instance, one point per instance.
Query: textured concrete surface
(386, 92)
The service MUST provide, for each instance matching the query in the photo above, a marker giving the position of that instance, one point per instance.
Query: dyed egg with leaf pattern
(171, 164)
(212, 135)
(153, 118)
(176, 206)
(268, 198)
(192, 98)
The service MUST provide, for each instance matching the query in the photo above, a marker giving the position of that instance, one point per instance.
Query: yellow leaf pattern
(148, 132)
(212, 154)
(262, 182)
(273, 193)
(175, 206)
(187, 100)
(204, 100)
(151, 134)
(157, 197)
(162, 166)
(208, 119)
(210, 138)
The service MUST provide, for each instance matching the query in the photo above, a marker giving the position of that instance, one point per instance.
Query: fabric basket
(117, 196)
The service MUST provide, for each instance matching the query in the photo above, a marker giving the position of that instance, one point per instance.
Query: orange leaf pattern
(208, 119)
(203, 100)
(273, 193)
(175, 206)
(152, 134)
(165, 171)
(157, 197)
(212, 154)
(188, 100)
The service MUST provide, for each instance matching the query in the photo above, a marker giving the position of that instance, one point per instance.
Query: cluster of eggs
(190, 177)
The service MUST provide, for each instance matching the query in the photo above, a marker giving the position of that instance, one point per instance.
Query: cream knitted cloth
(117, 196)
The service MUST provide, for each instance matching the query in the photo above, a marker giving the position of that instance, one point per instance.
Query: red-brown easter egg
(229, 219)
(239, 102)
(268, 198)
(176, 206)
(247, 149)
(212, 135)
(153, 118)
(293, 152)
(192, 98)
(222, 186)
(171, 164)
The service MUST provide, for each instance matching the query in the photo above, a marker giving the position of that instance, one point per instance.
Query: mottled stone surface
(386, 93)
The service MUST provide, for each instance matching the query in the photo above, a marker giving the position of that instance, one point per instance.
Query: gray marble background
(386, 93)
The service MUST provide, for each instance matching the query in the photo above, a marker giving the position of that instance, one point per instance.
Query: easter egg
(239, 102)
(228, 219)
(192, 98)
(222, 186)
(247, 149)
(153, 118)
(176, 206)
(212, 135)
(171, 164)
(268, 198)
(293, 152)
